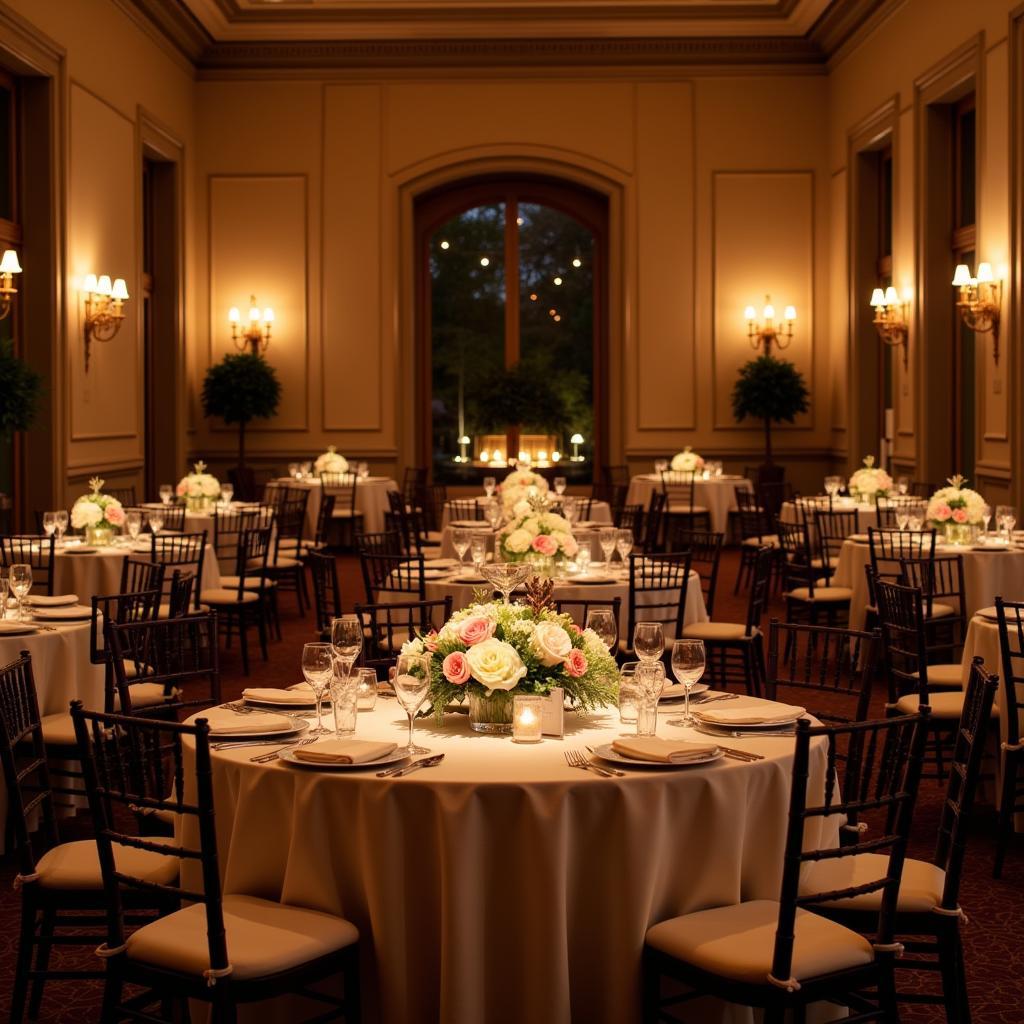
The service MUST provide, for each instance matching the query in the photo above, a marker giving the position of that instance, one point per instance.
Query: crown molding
(839, 22)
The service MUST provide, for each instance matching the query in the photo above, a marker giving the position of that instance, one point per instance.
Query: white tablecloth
(717, 495)
(600, 511)
(584, 535)
(503, 886)
(371, 500)
(867, 513)
(987, 574)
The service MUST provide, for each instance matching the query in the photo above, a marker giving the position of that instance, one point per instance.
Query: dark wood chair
(807, 591)
(889, 507)
(185, 552)
(781, 955)
(654, 519)
(125, 495)
(680, 489)
(887, 549)
(580, 608)
(323, 568)
(285, 568)
(657, 593)
(1010, 616)
(757, 530)
(386, 627)
(344, 516)
(705, 548)
(941, 582)
(140, 606)
(36, 550)
(831, 528)
(393, 574)
(464, 509)
(197, 952)
(138, 575)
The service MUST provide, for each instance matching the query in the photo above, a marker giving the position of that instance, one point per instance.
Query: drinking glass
(49, 523)
(607, 538)
(21, 583)
(903, 484)
(570, 509)
(986, 518)
(629, 693)
(505, 576)
(560, 485)
(293, 470)
(833, 484)
(460, 541)
(902, 517)
(650, 681)
(318, 668)
(155, 518)
(648, 641)
(411, 682)
(363, 470)
(493, 513)
(1009, 521)
(4, 584)
(344, 697)
(166, 493)
(914, 521)
(688, 666)
(62, 523)
(366, 689)
(624, 544)
(346, 638)
(133, 523)
(490, 483)
(660, 466)
(227, 492)
(602, 622)
(583, 558)
(478, 549)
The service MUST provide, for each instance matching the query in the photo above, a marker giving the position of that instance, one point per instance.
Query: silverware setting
(576, 759)
(240, 742)
(423, 762)
(248, 709)
(605, 767)
(741, 755)
(274, 754)
(701, 699)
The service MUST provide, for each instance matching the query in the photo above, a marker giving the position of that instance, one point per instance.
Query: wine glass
(166, 493)
(318, 667)
(4, 585)
(560, 485)
(62, 523)
(903, 484)
(914, 520)
(227, 492)
(833, 484)
(460, 541)
(624, 544)
(660, 466)
(133, 523)
(902, 517)
(362, 470)
(478, 550)
(602, 622)
(21, 583)
(155, 518)
(49, 523)
(608, 538)
(570, 510)
(490, 483)
(648, 641)
(505, 576)
(688, 658)
(493, 513)
(1009, 521)
(293, 470)
(986, 518)
(411, 682)
(650, 682)
(346, 638)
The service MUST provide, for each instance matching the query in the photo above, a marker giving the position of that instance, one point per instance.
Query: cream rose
(210, 486)
(495, 665)
(551, 643)
(85, 513)
(518, 541)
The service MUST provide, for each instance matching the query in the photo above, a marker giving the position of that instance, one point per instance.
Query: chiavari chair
(326, 593)
(579, 608)
(1010, 617)
(617, 476)
(285, 569)
(342, 486)
(395, 573)
(174, 517)
(807, 590)
(36, 550)
(657, 593)
(888, 507)
(139, 575)
(942, 578)
(464, 510)
(386, 627)
(680, 490)
(223, 950)
(185, 552)
(654, 517)
(781, 955)
(832, 527)
(887, 548)
(757, 530)
(705, 547)
(125, 495)
(139, 606)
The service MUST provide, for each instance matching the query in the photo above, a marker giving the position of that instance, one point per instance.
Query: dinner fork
(575, 759)
(273, 754)
(605, 767)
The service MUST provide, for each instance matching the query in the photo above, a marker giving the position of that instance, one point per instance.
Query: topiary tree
(20, 388)
(772, 390)
(239, 389)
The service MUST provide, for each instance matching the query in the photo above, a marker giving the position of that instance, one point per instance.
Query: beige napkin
(271, 695)
(56, 601)
(650, 748)
(303, 686)
(344, 751)
(768, 713)
(226, 723)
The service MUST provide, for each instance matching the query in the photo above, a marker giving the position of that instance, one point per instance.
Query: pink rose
(959, 515)
(181, 488)
(475, 630)
(456, 668)
(576, 663)
(430, 641)
(545, 544)
(114, 515)
(943, 512)
(576, 629)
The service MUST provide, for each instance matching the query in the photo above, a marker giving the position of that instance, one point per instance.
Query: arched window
(511, 327)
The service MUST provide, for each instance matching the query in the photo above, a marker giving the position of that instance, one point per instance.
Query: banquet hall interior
(508, 511)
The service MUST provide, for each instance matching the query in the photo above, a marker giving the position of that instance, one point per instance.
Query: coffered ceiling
(278, 34)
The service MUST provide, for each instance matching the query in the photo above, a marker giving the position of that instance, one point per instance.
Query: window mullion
(512, 347)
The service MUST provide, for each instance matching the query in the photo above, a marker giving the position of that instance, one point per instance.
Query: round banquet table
(503, 886)
(585, 533)
(371, 500)
(600, 511)
(987, 573)
(717, 495)
(867, 512)
(613, 583)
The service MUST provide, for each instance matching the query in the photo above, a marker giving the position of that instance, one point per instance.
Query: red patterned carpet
(993, 937)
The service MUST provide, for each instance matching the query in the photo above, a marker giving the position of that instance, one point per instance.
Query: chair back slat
(464, 508)
(36, 550)
(342, 486)
(326, 592)
(139, 575)
(387, 626)
(1010, 618)
(705, 555)
(653, 519)
(888, 547)
(832, 527)
(657, 591)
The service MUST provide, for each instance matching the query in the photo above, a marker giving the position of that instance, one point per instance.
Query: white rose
(551, 643)
(414, 646)
(209, 486)
(518, 541)
(495, 665)
(338, 464)
(85, 513)
(195, 489)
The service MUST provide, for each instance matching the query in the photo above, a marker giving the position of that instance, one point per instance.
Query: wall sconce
(104, 309)
(891, 317)
(9, 266)
(766, 333)
(980, 300)
(255, 336)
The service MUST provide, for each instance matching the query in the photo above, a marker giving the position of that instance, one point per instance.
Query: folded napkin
(344, 751)
(56, 601)
(303, 686)
(650, 748)
(767, 713)
(272, 695)
(224, 722)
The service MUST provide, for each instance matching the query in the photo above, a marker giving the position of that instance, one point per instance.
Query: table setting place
(23, 613)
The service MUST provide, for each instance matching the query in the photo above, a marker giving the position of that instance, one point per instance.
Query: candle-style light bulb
(233, 315)
(254, 315)
(962, 277)
(769, 312)
(750, 313)
(790, 313)
(877, 298)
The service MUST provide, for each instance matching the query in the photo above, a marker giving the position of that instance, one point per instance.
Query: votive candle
(526, 719)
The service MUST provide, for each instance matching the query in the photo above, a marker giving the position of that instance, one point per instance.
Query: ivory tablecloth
(717, 495)
(600, 511)
(867, 513)
(371, 500)
(987, 574)
(503, 886)
(584, 535)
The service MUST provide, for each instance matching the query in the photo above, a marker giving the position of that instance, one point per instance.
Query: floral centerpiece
(97, 513)
(870, 482)
(489, 652)
(199, 488)
(686, 461)
(957, 510)
(330, 462)
(535, 535)
(520, 485)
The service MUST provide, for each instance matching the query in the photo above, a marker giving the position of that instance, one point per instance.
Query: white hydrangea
(686, 461)
(869, 481)
(85, 513)
(331, 462)
(518, 541)
(955, 504)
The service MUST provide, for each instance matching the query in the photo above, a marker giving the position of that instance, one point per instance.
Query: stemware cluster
(648, 676)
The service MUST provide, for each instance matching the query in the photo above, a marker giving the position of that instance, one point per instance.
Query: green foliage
(20, 390)
(769, 389)
(241, 388)
(521, 396)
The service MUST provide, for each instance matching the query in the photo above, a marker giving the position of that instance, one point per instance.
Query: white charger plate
(8, 628)
(607, 753)
(55, 601)
(70, 613)
(676, 691)
(382, 762)
(744, 726)
(293, 729)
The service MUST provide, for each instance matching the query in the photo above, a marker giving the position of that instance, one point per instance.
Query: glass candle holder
(526, 719)
(366, 689)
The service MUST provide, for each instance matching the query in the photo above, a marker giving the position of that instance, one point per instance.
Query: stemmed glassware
(1006, 520)
(227, 492)
(493, 513)
(902, 517)
(570, 509)
(490, 483)
(4, 585)
(505, 576)
(624, 544)
(650, 682)
(166, 493)
(608, 538)
(560, 485)
(986, 518)
(648, 641)
(602, 622)
(411, 682)
(20, 579)
(688, 659)
(478, 550)
(133, 523)
(49, 523)
(155, 518)
(903, 484)
(318, 668)
(62, 523)
(660, 466)
(346, 639)
(460, 541)
(833, 484)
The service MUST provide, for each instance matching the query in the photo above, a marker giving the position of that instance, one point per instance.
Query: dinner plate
(73, 613)
(382, 762)
(441, 563)
(859, 538)
(435, 574)
(79, 549)
(590, 581)
(286, 705)
(989, 614)
(294, 728)
(47, 601)
(745, 726)
(607, 753)
(8, 628)
(676, 691)
(469, 524)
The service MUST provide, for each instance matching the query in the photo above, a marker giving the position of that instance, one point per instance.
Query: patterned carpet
(993, 937)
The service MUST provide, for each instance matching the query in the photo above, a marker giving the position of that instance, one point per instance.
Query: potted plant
(239, 389)
(771, 390)
(20, 388)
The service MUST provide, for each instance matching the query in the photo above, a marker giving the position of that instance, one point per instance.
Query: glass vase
(959, 533)
(491, 714)
(99, 536)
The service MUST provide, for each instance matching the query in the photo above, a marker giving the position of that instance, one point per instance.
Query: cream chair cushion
(947, 676)
(682, 509)
(945, 704)
(828, 595)
(769, 540)
(715, 631)
(59, 729)
(941, 611)
(920, 887)
(251, 583)
(147, 695)
(262, 938)
(226, 595)
(738, 942)
(77, 865)
(283, 562)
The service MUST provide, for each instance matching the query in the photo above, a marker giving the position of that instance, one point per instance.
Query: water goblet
(624, 544)
(914, 521)
(560, 485)
(570, 510)
(1009, 522)
(344, 696)
(602, 622)
(986, 518)
(20, 578)
(688, 660)
(227, 492)
(608, 538)
(346, 638)
(833, 484)
(166, 493)
(903, 484)
(133, 523)
(648, 641)
(307, 469)
(62, 523)
(4, 586)
(493, 513)
(902, 518)
(650, 682)
(460, 541)
(318, 668)
(155, 519)
(49, 523)
(490, 483)
(478, 549)
(411, 682)
(660, 466)
(362, 470)
(629, 693)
